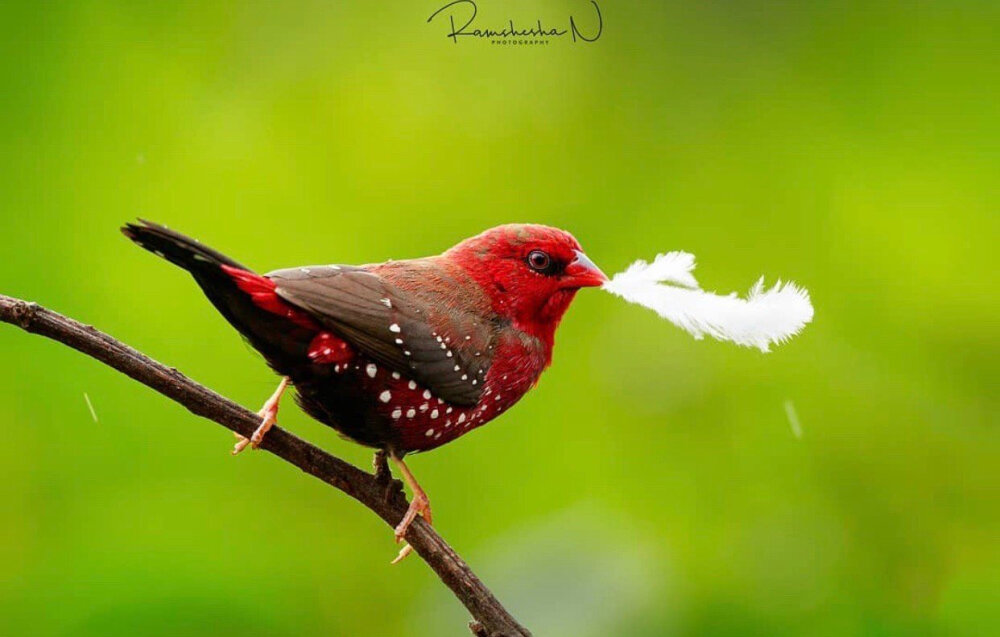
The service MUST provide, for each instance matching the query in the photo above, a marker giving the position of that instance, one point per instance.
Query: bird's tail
(180, 250)
(269, 333)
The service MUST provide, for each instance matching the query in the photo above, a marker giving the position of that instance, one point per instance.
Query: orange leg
(269, 416)
(418, 505)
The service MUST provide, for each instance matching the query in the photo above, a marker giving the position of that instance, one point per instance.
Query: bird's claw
(241, 443)
(403, 552)
(269, 416)
(258, 435)
(420, 505)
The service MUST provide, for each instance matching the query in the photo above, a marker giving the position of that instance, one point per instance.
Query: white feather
(675, 267)
(764, 318)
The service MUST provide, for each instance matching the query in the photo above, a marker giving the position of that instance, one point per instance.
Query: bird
(402, 356)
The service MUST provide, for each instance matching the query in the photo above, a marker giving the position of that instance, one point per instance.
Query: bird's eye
(539, 261)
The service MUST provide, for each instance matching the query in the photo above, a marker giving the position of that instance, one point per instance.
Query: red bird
(402, 356)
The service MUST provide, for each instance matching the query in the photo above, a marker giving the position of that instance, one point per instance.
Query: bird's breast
(379, 406)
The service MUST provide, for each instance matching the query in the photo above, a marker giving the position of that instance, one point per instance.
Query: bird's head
(530, 272)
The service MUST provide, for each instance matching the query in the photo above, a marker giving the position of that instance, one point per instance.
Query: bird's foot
(420, 505)
(269, 416)
(403, 552)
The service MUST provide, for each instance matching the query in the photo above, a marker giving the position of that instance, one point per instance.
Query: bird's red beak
(582, 273)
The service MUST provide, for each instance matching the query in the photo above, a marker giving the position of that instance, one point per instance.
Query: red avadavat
(402, 356)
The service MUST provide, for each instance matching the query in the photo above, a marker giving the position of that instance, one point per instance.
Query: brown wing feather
(447, 352)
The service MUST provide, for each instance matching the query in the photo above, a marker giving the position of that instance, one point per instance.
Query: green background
(651, 484)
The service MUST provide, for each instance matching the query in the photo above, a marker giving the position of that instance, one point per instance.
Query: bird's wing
(447, 352)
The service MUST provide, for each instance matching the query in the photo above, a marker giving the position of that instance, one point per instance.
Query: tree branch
(378, 492)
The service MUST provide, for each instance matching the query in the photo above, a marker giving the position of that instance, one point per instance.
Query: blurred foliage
(651, 484)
